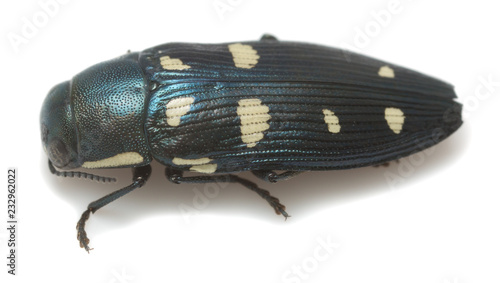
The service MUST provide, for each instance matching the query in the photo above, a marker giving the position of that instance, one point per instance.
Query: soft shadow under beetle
(225, 108)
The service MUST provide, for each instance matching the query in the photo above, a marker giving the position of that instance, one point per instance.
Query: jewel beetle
(271, 107)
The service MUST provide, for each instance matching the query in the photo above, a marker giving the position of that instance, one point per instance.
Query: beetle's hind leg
(175, 176)
(140, 176)
(273, 177)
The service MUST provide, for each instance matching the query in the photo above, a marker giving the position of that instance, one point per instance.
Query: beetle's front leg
(140, 176)
(176, 176)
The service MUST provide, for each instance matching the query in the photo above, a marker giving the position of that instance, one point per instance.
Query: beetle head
(58, 128)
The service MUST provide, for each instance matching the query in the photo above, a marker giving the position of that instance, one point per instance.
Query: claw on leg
(82, 235)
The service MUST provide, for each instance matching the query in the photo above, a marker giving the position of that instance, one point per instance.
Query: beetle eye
(58, 153)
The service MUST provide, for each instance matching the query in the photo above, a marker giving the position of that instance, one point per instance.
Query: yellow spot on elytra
(395, 119)
(199, 161)
(253, 117)
(332, 121)
(172, 63)
(121, 159)
(199, 165)
(244, 56)
(386, 71)
(205, 168)
(176, 108)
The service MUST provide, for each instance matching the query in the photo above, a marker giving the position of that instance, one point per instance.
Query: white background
(438, 223)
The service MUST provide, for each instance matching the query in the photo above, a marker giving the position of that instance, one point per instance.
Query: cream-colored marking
(176, 108)
(244, 56)
(199, 165)
(205, 168)
(121, 159)
(172, 63)
(199, 161)
(253, 117)
(386, 71)
(395, 119)
(332, 121)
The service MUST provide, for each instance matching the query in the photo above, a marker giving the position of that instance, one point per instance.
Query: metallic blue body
(110, 102)
(119, 106)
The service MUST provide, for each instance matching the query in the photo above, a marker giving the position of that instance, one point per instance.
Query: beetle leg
(175, 176)
(386, 164)
(140, 176)
(273, 177)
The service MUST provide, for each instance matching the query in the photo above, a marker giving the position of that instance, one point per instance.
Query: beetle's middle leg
(175, 176)
(273, 177)
(140, 176)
